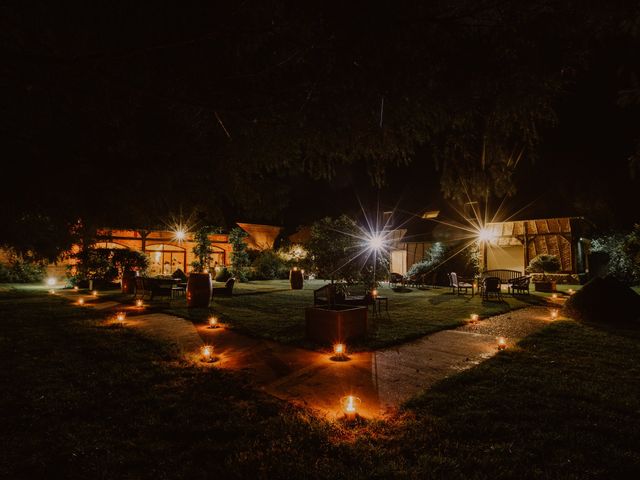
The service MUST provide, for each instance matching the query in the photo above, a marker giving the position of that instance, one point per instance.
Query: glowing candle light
(207, 353)
(120, 317)
(139, 303)
(52, 291)
(571, 291)
(213, 322)
(554, 314)
(349, 405)
(502, 343)
(75, 289)
(474, 317)
(95, 293)
(81, 301)
(554, 296)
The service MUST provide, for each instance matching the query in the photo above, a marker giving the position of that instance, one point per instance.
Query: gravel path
(514, 324)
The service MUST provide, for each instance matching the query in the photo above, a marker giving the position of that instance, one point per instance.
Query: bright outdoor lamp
(375, 242)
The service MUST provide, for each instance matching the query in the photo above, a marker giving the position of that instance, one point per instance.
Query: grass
(81, 399)
(270, 309)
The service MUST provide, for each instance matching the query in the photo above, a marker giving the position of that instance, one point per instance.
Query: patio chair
(458, 284)
(519, 285)
(491, 286)
(225, 291)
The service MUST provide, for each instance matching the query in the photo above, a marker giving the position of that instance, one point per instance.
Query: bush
(94, 264)
(20, 270)
(126, 260)
(223, 275)
(618, 254)
(544, 263)
(441, 259)
(604, 300)
(269, 265)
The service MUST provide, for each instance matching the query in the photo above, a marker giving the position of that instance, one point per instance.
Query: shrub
(223, 275)
(441, 259)
(544, 263)
(94, 264)
(604, 300)
(126, 260)
(619, 255)
(269, 265)
(21, 270)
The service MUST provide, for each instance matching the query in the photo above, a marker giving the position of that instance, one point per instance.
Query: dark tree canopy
(122, 114)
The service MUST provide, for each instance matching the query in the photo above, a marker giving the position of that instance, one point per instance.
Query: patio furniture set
(490, 283)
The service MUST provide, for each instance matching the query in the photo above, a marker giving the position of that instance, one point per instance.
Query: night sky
(276, 112)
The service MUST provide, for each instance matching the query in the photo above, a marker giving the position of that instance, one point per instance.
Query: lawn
(270, 309)
(82, 399)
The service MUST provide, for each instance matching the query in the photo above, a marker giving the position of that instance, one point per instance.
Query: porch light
(349, 404)
(485, 235)
(502, 343)
(207, 353)
(213, 322)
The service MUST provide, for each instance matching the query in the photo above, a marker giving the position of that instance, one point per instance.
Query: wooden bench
(505, 276)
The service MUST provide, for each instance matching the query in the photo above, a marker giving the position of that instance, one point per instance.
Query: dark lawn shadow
(447, 297)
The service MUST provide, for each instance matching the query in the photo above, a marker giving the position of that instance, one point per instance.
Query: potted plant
(544, 264)
(296, 279)
(129, 262)
(199, 285)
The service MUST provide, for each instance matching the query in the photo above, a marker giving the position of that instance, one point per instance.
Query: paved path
(382, 379)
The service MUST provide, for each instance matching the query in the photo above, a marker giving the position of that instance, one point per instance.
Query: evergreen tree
(239, 256)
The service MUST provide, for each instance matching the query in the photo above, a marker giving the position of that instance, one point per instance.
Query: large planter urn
(296, 279)
(199, 290)
(335, 324)
(128, 282)
(545, 286)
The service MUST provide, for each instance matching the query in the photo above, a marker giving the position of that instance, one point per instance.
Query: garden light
(339, 352)
(139, 303)
(75, 289)
(554, 296)
(52, 291)
(571, 291)
(502, 343)
(120, 317)
(374, 293)
(94, 293)
(554, 314)
(207, 353)
(349, 406)
(474, 317)
(213, 322)
(51, 281)
(81, 301)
